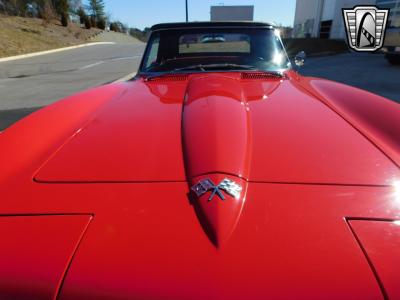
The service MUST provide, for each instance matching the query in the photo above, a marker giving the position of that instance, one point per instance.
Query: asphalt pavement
(30, 83)
(368, 71)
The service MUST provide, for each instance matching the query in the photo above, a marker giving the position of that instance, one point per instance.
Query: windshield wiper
(272, 73)
(203, 68)
(230, 66)
(193, 67)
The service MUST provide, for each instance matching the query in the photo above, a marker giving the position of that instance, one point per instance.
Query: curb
(321, 54)
(125, 78)
(10, 58)
(327, 53)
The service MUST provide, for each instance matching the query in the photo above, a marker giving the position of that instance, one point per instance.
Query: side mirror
(299, 59)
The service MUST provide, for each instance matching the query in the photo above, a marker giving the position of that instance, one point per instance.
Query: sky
(145, 13)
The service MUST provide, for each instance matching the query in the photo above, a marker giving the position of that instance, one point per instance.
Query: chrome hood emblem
(227, 185)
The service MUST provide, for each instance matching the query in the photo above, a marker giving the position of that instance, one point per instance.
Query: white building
(232, 13)
(394, 14)
(323, 18)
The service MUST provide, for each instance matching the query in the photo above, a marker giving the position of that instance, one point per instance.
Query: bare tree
(62, 8)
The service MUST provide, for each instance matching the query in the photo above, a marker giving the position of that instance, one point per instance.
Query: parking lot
(367, 71)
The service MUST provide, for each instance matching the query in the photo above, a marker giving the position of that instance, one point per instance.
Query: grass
(25, 35)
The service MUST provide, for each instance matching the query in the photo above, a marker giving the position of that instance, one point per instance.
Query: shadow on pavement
(9, 117)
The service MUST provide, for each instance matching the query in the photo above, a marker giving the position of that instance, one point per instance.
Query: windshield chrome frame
(147, 48)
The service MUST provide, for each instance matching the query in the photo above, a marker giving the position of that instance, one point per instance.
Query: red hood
(262, 130)
(144, 240)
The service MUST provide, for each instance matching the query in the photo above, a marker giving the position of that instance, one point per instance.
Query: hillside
(116, 37)
(25, 35)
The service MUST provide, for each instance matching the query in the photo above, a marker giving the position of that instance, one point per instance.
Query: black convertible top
(183, 25)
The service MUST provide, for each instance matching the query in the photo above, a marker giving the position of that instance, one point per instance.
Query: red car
(218, 172)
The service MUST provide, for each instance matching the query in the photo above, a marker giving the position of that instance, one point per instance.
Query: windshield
(208, 49)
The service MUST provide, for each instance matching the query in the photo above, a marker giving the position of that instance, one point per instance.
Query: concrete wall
(394, 15)
(310, 13)
(338, 30)
(307, 18)
(328, 10)
(232, 13)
